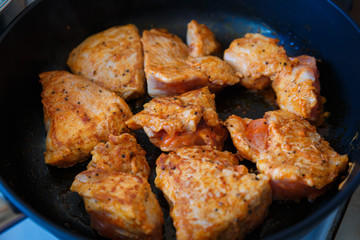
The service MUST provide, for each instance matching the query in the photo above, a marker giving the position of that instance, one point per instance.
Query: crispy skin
(120, 205)
(299, 91)
(201, 40)
(298, 160)
(121, 153)
(166, 70)
(257, 60)
(185, 120)
(220, 74)
(113, 59)
(211, 197)
(78, 115)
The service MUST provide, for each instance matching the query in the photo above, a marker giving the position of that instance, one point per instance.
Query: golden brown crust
(121, 153)
(120, 205)
(220, 74)
(191, 116)
(116, 193)
(308, 157)
(211, 197)
(296, 157)
(113, 59)
(256, 59)
(78, 114)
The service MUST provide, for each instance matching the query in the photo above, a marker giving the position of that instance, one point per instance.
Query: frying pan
(41, 38)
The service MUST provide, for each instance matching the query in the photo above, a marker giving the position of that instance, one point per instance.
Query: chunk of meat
(210, 196)
(185, 120)
(201, 40)
(121, 153)
(78, 115)
(257, 60)
(166, 70)
(117, 196)
(220, 74)
(298, 91)
(203, 135)
(113, 59)
(257, 133)
(287, 147)
(120, 205)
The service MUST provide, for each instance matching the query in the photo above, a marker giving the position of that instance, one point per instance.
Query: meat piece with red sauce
(210, 195)
(298, 91)
(201, 40)
(287, 148)
(185, 120)
(256, 59)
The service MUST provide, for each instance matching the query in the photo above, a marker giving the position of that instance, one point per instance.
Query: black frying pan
(42, 37)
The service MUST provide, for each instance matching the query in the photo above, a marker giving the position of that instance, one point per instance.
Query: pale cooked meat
(298, 91)
(287, 147)
(256, 59)
(185, 120)
(120, 205)
(210, 196)
(113, 59)
(166, 70)
(220, 74)
(121, 153)
(78, 115)
(201, 40)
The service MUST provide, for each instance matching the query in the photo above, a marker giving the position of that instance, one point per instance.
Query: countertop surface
(350, 226)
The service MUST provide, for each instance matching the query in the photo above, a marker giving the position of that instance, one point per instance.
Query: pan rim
(63, 232)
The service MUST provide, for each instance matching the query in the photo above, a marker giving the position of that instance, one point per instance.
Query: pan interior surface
(42, 39)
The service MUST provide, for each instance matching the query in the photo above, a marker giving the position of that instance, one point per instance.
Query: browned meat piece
(211, 197)
(120, 153)
(78, 115)
(287, 148)
(165, 65)
(298, 91)
(113, 59)
(185, 120)
(201, 40)
(120, 205)
(117, 196)
(256, 59)
(220, 74)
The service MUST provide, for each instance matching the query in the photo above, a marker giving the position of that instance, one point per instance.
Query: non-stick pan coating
(43, 38)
